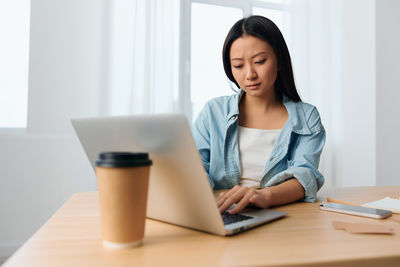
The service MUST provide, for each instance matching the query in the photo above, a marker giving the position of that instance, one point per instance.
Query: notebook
(387, 203)
(179, 190)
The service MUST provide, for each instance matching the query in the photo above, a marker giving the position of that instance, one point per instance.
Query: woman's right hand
(243, 196)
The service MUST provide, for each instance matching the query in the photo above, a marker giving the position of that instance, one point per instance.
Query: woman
(262, 143)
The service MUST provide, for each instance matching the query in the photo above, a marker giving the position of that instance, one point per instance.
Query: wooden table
(305, 237)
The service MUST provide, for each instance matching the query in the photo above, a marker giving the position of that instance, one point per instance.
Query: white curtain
(314, 43)
(143, 56)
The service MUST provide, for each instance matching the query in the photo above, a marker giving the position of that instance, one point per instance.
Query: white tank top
(255, 147)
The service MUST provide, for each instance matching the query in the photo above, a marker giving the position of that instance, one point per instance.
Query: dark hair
(265, 29)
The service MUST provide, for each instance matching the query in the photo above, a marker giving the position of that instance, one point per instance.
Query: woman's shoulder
(307, 108)
(222, 104)
(224, 100)
(216, 111)
(306, 114)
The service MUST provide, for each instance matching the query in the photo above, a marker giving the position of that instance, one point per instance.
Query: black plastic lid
(123, 159)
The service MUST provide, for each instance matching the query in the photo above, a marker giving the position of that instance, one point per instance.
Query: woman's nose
(251, 74)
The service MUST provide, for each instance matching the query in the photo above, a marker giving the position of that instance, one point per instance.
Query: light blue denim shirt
(296, 152)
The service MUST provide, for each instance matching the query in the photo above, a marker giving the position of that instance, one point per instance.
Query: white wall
(387, 91)
(369, 93)
(356, 160)
(41, 168)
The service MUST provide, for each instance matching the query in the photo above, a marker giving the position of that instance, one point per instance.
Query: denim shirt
(295, 154)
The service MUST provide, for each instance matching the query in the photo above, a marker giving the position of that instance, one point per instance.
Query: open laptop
(179, 190)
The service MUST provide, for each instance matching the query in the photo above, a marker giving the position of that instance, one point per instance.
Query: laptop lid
(179, 190)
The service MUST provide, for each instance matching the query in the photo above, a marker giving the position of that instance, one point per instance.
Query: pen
(328, 199)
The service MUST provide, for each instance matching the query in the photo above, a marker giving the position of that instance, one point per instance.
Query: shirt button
(233, 117)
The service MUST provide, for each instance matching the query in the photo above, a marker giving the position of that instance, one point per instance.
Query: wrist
(266, 192)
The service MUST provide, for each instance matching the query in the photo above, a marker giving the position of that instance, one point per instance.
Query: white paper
(386, 203)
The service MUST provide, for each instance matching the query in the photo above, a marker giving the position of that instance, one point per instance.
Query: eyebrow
(259, 53)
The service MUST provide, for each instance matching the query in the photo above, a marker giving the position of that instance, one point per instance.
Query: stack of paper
(386, 203)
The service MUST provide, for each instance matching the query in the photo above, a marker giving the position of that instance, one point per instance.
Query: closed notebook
(386, 203)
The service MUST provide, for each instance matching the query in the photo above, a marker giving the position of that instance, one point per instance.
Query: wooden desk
(304, 238)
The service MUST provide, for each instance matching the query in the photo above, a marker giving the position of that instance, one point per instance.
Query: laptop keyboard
(232, 218)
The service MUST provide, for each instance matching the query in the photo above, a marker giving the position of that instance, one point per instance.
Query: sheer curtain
(143, 56)
(314, 41)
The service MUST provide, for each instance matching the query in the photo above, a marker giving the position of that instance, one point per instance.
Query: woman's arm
(304, 159)
(283, 193)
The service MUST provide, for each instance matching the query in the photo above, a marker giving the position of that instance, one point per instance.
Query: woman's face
(254, 65)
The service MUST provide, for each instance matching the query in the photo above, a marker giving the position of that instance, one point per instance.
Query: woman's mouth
(253, 86)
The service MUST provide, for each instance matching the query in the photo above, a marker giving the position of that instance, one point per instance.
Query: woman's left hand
(243, 196)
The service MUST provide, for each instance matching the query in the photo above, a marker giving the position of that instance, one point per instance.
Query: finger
(243, 202)
(221, 195)
(229, 201)
(235, 198)
(228, 194)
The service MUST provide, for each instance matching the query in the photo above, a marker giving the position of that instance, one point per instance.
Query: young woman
(262, 143)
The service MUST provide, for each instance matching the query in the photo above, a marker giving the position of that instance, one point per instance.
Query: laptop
(179, 190)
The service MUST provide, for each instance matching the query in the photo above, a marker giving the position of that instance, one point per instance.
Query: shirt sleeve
(201, 135)
(304, 162)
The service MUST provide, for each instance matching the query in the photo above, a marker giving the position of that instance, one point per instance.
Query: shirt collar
(296, 116)
(234, 112)
(296, 113)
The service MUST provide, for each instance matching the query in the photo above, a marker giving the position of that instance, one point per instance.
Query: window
(14, 55)
(208, 22)
(207, 76)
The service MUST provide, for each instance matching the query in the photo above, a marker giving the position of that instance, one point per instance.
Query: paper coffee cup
(123, 179)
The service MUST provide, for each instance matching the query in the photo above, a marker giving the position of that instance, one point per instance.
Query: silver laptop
(179, 190)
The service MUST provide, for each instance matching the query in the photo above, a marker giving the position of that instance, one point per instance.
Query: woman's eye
(237, 66)
(261, 61)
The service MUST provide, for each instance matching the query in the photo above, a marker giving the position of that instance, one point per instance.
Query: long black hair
(264, 29)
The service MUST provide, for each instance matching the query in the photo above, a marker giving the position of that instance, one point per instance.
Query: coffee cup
(123, 179)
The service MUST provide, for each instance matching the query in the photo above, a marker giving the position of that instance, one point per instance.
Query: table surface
(305, 237)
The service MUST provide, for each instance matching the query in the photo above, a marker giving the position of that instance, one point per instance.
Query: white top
(255, 147)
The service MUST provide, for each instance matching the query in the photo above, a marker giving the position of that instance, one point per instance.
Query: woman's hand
(244, 196)
(286, 192)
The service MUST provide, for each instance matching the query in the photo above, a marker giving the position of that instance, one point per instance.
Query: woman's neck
(262, 113)
(260, 105)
